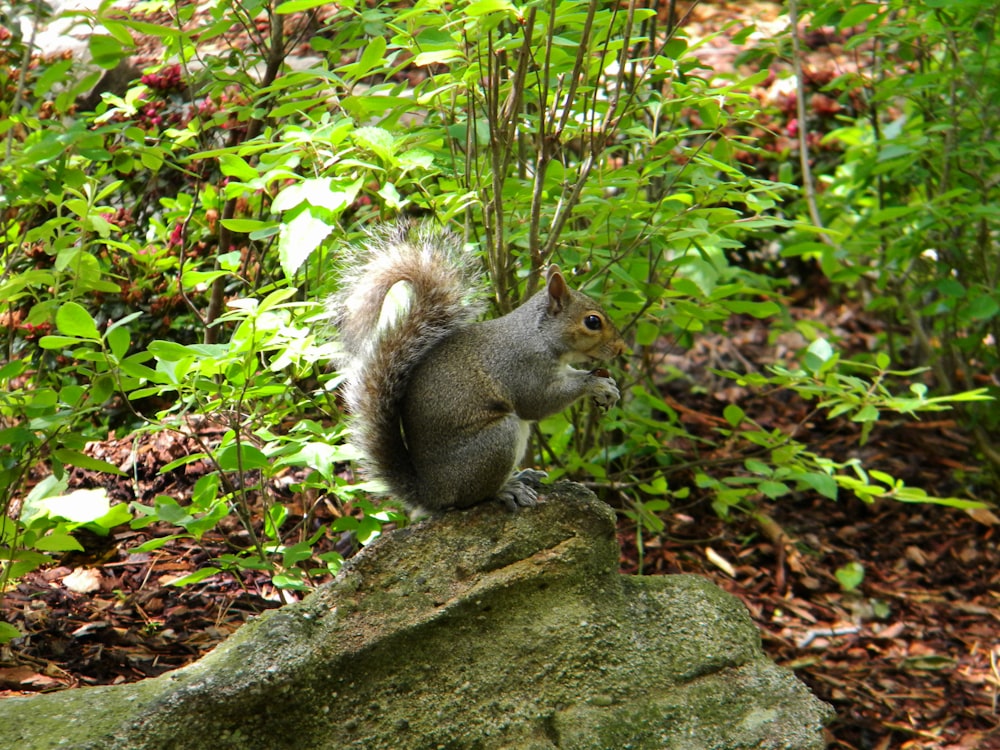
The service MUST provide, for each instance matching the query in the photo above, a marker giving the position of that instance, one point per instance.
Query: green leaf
(12, 369)
(320, 457)
(245, 226)
(73, 320)
(158, 542)
(377, 140)
(16, 436)
(391, 196)
(298, 239)
(482, 7)
(72, 395)
(79, 506)
(289, 197)
(170, 351)
(205, 492)
(133, 366)
(119, 31)
(979, 394)
(773, 489)
(58, 342)
(275, 298)
(857, 15)
(170, 511)
(733, 414)
(46, 148)
(83, 461)
(276, 516)
(749, 307)
(107, 51)
(868, 413)
(951, 287)
(55, 73)
(286, 581)
(850, 575)
(118, 515)
(916, 495)
(243, 457)
(118, 341)
(372, 56)
(57, 541)
(333, 195)
(817, 355)
(824, 484)
(298, 6)
(234, 166)
(646, 332)
(265, 233)
(416, 158)
(196, 577)
(8, 632)
(182, 461)
(983, 307)
(435, 57)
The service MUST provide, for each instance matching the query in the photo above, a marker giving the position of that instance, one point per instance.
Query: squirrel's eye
(593, 322)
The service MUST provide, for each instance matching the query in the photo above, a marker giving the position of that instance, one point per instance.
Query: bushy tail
(382, 345)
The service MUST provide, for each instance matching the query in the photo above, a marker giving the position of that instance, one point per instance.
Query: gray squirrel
(442, 405)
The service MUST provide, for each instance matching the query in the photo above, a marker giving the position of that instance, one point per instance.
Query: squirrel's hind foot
(521, 490)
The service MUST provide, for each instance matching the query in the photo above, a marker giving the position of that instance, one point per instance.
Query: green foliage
(850, 576)
(163, 255)
(912, 205)
(843, 393)
(783, 464)
(120, 209)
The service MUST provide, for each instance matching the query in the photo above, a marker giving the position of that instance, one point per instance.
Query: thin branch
(808, 183)
(22, 74)
(275, 59)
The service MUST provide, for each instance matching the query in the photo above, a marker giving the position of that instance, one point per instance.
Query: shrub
(911, 206)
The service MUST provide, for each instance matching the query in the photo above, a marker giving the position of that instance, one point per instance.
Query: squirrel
(442, 404)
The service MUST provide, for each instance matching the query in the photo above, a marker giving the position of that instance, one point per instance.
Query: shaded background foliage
(167, 245)
(171, 220)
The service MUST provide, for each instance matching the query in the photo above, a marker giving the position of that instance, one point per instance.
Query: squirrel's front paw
(604, 389)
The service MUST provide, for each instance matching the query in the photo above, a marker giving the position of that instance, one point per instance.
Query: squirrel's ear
(556, 289)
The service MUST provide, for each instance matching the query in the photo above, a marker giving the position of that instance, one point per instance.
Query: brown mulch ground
(910, 659)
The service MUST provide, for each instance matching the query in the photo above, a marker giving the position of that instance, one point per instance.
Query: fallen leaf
(916, 555)
(83, 580)
(984, 516)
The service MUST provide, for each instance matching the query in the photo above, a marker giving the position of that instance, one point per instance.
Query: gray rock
(478, 629)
